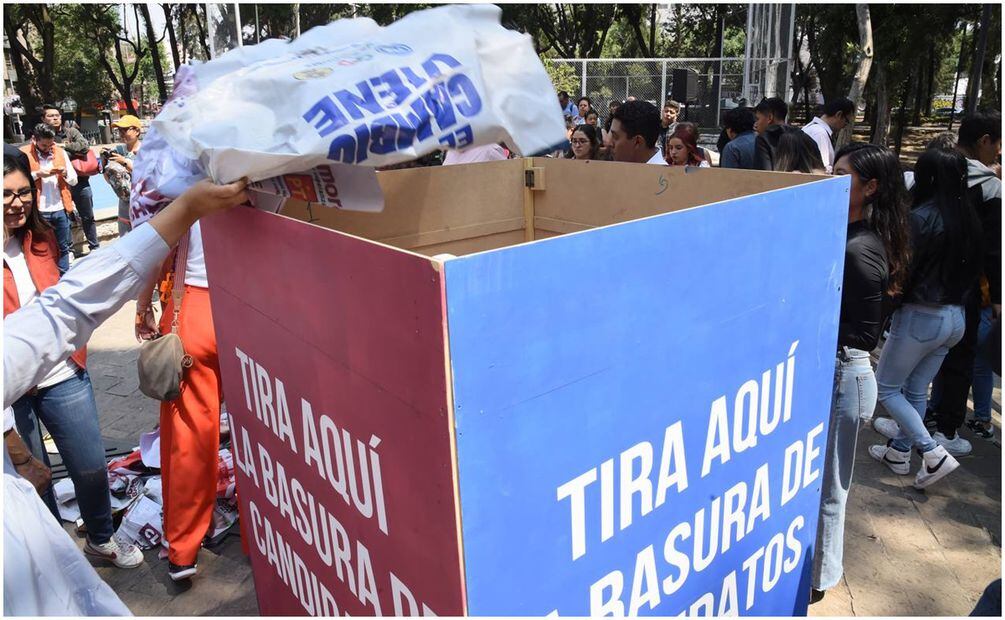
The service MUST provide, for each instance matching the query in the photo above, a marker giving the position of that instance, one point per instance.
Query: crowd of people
(922, 266)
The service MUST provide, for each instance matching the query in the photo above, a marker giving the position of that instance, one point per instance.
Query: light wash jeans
(853, 401)
(920, 337)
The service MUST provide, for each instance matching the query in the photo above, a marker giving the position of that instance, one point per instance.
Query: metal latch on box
(534, 178)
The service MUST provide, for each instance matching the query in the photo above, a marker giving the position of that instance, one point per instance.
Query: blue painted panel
(568, 352)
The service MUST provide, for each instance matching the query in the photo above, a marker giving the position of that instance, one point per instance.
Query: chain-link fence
(718, 81)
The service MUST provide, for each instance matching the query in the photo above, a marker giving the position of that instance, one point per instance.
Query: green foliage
(563, 77)
(76, 71)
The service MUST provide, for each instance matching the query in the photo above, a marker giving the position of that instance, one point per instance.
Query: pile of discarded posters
(137, 503)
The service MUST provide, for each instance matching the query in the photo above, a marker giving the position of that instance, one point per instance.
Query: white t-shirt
(26, 293)
(50, 201)
(821, 134)
(658, 159)
(195, 267)
(474, 155)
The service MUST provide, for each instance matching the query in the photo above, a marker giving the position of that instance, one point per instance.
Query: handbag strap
(178, 280)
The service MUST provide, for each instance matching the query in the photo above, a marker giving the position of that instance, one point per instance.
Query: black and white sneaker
(936, 464)
(984, 430)
(177, 573)
(898, 462)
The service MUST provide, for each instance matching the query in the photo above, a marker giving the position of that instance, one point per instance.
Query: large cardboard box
(613, 400)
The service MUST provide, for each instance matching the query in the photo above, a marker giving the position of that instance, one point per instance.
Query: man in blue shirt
(739, 151)
(568, 108)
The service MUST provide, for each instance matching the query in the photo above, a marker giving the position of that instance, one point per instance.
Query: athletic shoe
(957, 446)
(898, 462)
(936, 464)
(886, 427)
(984, 430)
(121, 554)
(177, 573)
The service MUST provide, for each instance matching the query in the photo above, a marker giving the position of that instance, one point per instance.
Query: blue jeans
(920, 337)
(83, 198)
(853, 401)
(984, 380)
(70, 414)
(60, 223)
(124, 223)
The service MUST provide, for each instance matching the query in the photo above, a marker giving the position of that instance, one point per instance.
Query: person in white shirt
(475, 154)
(837, 114)
(53, 177)
(634, 130)
(44, 571)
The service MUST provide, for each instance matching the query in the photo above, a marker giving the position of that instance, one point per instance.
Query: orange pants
(190, 431)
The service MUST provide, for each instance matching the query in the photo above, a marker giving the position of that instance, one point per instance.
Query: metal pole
(240, 30)
(296, 18)
(258, 30)
(582, 86)
(210, 32)
(663, 86)
(788, 58)
(746, 56)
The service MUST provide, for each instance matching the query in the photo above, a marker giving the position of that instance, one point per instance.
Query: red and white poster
(332, 355)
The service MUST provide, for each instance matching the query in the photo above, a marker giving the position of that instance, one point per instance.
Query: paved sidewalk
(907, 552)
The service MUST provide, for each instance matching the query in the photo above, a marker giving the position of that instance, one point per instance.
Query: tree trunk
(902, 111)
(155, 54)
(918, 92)
(977, 70)
(172, 39)
(862, 72)
(956, 77)
(46, 30)
(881, 126)
(933, 68)
(29, 100)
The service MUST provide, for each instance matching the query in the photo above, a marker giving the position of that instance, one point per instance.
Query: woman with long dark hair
(682, 147)
(64, 399)
(876, 257)
(585, 142)
(946, 262)
(797, 152)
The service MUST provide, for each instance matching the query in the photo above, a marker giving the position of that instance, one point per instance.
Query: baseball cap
(128, 121)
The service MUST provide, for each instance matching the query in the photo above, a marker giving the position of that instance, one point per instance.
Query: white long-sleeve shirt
(44, 333)
(49, 199)
(821, 133)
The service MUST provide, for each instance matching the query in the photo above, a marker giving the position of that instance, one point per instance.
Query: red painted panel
(356, 330)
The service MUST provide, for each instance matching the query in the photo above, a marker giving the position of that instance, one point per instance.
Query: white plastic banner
(350, 93)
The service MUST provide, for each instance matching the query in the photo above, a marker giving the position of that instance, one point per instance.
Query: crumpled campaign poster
(350, 94)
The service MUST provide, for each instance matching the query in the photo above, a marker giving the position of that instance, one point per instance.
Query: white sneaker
(121, 554)
(957, 446)
(898, 462)
(886, 427)
(935, 465)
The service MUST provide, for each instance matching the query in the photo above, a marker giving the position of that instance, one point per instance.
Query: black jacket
(986, 195)
(935, 277)
(764, 147)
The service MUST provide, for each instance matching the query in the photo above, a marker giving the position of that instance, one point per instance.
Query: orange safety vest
(40, 254)
(58, 160)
